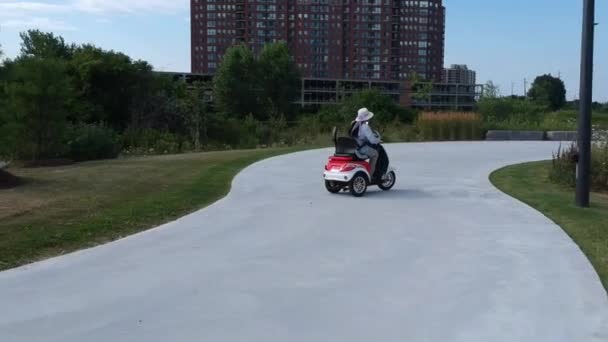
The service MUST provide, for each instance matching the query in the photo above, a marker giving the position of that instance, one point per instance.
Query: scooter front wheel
(388, 181)
(358, 185)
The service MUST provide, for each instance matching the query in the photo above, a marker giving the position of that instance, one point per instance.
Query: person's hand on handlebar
(379, 137)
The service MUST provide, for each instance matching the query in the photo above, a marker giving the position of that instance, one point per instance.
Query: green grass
(587, 227)
(63, 209)
(599, 119)
(563, 120)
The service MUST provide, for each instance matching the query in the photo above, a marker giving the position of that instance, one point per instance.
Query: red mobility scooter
(346, 170)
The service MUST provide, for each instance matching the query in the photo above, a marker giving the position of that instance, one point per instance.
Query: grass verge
(63, 209)
(587, 227)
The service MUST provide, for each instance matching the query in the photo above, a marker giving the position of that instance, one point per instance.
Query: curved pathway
(442, 257)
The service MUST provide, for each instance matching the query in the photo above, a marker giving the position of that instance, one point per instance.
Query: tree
(280, 79)
(421, 89)
(155, 103)
(37, 97)
(194, 113)
(236, 84)
(386, 110)
(6, 132)
(35, 43)
(490, 90)
(4, 65)
(265, 87)
(107, 84)
(548, 91)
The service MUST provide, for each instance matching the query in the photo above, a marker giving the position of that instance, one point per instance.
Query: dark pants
(372, 154)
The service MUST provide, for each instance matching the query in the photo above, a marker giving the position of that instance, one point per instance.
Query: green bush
(559, 121)
(247, 132)
(509, 113)
(10, 148)
(310, 130)
(273, 131)
(385, 109)
(399, 132)
(226, 132)
(92, 142)
(513, 123)
(563, 169)
(599, 119)
(151, 141)
(167, 143)
(140, 138)
(599, 167)
(332, 115)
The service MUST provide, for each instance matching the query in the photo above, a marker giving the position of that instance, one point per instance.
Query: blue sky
(503, 40)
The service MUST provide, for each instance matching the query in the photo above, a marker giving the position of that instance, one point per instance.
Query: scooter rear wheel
(333, 187)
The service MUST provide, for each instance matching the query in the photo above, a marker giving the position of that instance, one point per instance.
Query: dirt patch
(48, 163)
(8, 181)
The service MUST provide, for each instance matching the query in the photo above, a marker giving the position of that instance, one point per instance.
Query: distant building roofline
(177, 73)
(457, 67)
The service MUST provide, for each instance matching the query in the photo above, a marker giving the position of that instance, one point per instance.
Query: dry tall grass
(450, 126)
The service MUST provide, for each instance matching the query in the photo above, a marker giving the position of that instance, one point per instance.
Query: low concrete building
(459, 74)
(446, 96)
(320, 91)
(323, 91)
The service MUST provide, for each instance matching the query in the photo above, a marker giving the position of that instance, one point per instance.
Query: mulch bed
(48, 163)
(8, 181)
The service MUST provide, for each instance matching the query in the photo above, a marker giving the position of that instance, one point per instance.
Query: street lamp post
(583, 180)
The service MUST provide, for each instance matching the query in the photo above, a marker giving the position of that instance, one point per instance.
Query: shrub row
(224, 131)
(563, 170)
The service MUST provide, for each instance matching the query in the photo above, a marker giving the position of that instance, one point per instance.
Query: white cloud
(20, 9)
(38, 23)
(33, 15)
(29, 6)
(130, 6)
(51, 15)
(12, 12)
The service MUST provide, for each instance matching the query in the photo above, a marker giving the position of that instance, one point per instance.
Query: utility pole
(525, 88)
(583, 178)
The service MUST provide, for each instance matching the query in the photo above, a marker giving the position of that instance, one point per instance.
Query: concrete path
(443, 257)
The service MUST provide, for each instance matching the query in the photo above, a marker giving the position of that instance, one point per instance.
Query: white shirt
(366, 135)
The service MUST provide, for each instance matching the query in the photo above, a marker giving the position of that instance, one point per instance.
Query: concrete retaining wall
(540, 135)
(515, 135)
(562, 136)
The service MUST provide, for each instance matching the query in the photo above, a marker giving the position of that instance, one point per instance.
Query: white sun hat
(364, 115)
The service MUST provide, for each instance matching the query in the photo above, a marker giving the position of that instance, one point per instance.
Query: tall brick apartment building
(375, 40)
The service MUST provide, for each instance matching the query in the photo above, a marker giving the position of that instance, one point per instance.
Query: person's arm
(369, 135)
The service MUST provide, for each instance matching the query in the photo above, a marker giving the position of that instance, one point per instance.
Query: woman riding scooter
(348, 168)
(366, 139)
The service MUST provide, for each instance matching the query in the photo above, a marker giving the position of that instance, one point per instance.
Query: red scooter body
(346, 163)
(346, 171)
